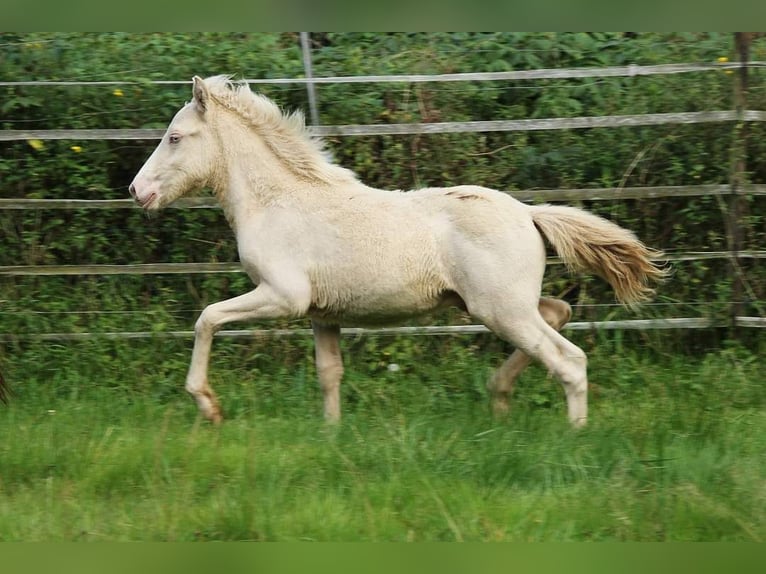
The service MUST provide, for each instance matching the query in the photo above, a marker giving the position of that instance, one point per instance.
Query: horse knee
(330, 374)
(196, 385)
(205, 322)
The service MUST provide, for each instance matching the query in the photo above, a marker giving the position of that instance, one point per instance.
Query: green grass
(674, 451)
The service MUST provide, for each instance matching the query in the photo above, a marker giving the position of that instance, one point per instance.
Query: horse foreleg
(557, 314)
(329, 365)
(196, 380)
(261, 303)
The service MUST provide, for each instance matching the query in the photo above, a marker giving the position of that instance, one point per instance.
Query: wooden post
(738, 179)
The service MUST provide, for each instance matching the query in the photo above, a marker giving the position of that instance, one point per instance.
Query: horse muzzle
(145, 200)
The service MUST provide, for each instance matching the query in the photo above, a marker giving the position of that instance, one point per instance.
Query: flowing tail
(587, 242)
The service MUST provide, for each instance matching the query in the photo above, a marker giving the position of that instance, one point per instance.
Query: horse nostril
(132, 190)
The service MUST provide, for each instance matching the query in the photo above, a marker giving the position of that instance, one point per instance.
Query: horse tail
(587, 242)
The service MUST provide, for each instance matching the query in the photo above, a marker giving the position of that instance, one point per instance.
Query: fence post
(308, 69)
(738, 178)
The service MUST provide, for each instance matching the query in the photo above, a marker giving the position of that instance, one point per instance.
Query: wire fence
(732, 190)
(630, 70)
(428, 330)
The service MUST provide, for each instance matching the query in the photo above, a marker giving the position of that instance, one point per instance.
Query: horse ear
(200, 93)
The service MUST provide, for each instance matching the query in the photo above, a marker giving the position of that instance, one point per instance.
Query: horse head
(185, 158)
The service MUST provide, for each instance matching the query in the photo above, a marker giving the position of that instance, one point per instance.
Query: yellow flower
(36, 144)
(76, 149)
(723, 59)
(118, 92)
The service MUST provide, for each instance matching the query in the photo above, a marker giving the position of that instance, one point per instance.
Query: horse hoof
(500, 409)
(579, 423)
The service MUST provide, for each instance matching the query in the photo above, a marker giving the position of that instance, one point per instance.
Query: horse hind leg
(556, 313)
(566, 361)
(329, 365)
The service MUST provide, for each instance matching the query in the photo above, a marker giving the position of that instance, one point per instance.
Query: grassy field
(96, 451)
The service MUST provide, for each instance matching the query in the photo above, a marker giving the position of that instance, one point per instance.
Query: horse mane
(285, 134)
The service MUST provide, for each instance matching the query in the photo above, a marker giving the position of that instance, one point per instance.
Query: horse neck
(250, 176)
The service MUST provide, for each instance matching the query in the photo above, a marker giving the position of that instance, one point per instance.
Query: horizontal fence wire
(630, 324)
(584, 194)
(181, 312)
(235, 267)
(426, 128)
(631, 70)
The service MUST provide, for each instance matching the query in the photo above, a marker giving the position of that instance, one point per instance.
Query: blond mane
(285, 134)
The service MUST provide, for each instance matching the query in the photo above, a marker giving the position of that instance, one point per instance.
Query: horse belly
(375, 301)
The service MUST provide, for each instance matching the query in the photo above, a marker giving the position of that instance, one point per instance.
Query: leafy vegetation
(101, 442)
(629, 156)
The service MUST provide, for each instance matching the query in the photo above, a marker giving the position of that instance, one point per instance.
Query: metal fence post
(308, 69)
(738, 202)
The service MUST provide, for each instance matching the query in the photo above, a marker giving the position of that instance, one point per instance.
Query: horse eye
(174, 138)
